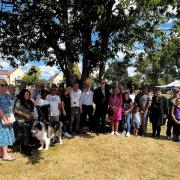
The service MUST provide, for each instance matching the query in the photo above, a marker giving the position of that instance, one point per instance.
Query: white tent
(176, 84)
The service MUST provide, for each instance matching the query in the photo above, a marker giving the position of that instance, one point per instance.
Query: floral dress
(6, 131)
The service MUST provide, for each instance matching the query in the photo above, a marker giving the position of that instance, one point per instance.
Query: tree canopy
(117, 71)
(32, 76)
(162, 65)
(66, 31)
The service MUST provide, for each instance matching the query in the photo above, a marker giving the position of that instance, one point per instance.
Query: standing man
(101, 99)
(143, 101)
(172, 100)
(87, 106)
(75, 96)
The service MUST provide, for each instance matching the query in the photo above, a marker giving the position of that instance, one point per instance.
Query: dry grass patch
(99, 157)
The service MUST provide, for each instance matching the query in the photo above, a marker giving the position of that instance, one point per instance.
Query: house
(56, 79)
(12, 76)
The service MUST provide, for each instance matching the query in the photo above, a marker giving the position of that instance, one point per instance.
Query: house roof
(53, 77)
(6, 72)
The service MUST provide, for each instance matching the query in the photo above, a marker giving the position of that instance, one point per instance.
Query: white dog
(46, 133)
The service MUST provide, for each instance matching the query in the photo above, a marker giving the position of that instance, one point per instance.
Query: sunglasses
(3, 85)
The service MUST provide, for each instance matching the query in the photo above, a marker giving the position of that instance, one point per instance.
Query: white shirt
(87, 98)
(132, 96)
(75, 98)
(54, 102)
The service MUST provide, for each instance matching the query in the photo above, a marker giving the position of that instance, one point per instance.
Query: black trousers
(66, 120)
(24, 129)
(99, 119)
(156, 130)
(87, 110)
(170, 124)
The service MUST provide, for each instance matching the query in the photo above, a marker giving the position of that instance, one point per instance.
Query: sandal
(8, 158)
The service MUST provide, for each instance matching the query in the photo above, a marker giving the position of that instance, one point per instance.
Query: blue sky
(47, 71)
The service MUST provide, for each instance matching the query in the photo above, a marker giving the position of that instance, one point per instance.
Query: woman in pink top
(115, 103)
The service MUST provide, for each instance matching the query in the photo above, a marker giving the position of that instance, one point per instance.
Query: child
(136, 120)
(176, 117)
(55, 104)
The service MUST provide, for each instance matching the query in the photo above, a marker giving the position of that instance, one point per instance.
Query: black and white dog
(47, 133)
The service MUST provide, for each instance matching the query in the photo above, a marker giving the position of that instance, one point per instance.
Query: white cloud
(120, 55)
(80, 66)
(170, 21)
(27, 66)
(131, 71)
(171, 10)
(48, 71)
(5, 65)
(115, 11)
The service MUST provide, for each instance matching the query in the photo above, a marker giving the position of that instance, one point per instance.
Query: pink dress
(117, 103)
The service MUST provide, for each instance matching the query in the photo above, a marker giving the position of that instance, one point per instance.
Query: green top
(25, 109)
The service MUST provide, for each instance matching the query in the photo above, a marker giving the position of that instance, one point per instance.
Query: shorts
(136, 125)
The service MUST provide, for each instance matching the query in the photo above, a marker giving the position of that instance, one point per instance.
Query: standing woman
(158, 113)
(6, 130)
(24, 113)
(127, 107)
(115, 103)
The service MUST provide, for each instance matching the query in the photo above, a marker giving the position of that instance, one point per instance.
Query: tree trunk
(102, 70)
(85, 71)
(66, 65)
(86, 34)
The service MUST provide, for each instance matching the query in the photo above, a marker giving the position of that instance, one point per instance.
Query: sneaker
(66, 134)
(112, 133)
(116, 133)
(168, 137)
(123, 133)
(127, 134)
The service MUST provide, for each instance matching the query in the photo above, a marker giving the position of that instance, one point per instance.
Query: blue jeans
(127, 122)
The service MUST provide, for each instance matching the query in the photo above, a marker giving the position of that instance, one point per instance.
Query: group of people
(84, 111)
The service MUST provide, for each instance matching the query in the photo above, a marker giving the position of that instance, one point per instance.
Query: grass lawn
(99, 158)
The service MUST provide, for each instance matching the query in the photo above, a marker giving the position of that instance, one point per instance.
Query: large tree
(61, 32)
(117, 71)
(162, 64)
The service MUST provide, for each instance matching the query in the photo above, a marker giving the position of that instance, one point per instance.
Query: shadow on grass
(35, 158)
(162, 137)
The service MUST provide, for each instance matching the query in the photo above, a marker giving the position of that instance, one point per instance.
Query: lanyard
(75, 95)
(114, 100)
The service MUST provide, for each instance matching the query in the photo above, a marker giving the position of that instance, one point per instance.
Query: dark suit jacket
(158, 110)
(99, 99)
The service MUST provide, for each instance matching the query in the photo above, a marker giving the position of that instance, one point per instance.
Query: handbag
(110, 112)
(10, 117)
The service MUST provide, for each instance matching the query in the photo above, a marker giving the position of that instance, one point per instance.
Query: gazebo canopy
(176, 83)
